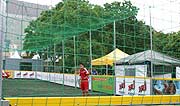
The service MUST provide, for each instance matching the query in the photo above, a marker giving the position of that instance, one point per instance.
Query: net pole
(63, 63)
(1, 42)
(54, 59)
(1, 55)
(47, 59)
(90, 47)
(151, 46)
(74, 41)
(22, 17)
(114, 36)
(1, 48)
(151, 40)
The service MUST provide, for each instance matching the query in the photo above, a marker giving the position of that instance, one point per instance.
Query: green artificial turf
(39, 88)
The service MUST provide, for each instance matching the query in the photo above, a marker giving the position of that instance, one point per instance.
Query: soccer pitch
(39, 88)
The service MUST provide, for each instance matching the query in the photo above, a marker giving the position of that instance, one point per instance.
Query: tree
(167, 43)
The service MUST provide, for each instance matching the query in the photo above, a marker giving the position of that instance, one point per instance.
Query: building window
(26, 66)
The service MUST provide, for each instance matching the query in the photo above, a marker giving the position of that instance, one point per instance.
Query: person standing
(84, 77)
(94, 72)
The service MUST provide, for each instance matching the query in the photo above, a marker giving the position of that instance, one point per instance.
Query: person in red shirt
(84, 77)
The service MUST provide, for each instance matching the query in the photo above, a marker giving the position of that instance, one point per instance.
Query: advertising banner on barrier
(24, 74)
(77, 80)
(43, 76)
(52, 77)
(66, 79)
(39, 75)
(10, 73)
(103, 84)
(58, 78)
(69, 79)
(132, 86)
(166, 87)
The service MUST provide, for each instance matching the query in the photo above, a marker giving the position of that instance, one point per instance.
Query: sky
(165, 14)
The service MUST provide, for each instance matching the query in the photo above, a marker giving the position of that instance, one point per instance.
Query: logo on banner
(18, 74)
(31, 75)
(131, 88)
(142, 87)
(25, 74)
(122, 87)
(99, 79)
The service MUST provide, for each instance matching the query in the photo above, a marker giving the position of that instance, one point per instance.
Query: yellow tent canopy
(110, 58)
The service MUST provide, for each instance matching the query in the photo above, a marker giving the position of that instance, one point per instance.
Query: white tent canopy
(157, 58)
(16, 55)
(36, 56)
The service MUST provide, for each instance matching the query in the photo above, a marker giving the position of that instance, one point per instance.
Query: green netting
(72, 18)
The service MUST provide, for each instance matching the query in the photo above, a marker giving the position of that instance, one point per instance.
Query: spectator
(94, 72)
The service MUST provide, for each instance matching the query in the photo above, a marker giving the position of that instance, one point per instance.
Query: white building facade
(17, 15)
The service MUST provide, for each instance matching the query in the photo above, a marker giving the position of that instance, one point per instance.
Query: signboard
(131, 70)
(166, 87)
(103, 84)
(132, 86)
(24, 74)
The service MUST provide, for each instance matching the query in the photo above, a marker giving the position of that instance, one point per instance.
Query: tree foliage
(167, 43)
